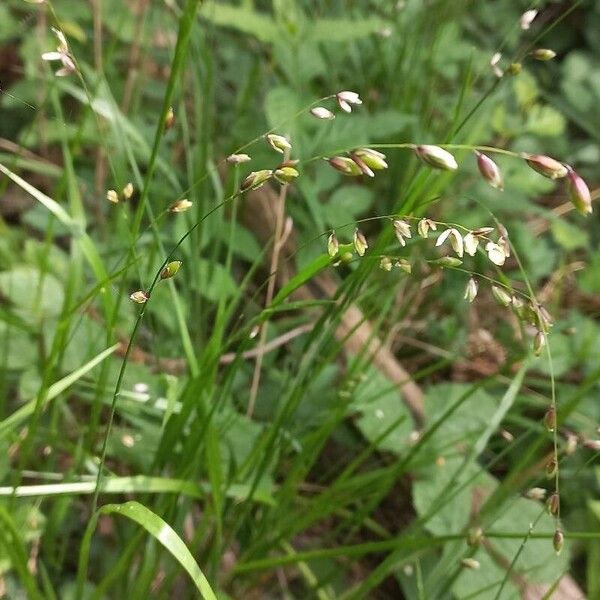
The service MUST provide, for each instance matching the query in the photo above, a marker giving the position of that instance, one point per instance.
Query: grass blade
(159, 530)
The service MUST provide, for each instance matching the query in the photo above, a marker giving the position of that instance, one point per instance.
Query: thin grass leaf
(310, 271)
(25, 411)
(10, 540)
(159, 530)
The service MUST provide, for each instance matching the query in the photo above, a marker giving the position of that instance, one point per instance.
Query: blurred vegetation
(250, 436)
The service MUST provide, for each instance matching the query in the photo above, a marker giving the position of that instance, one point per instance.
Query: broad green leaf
(242, 19)
(562, 356)
(569, 236)
(545, 121)
(380, 404)
(35, 296)
(281, 104)
(215, 280)
(346, 30)
(17, 349)
(464, 425)
(526, 89)
(346, 203)
(265, 29)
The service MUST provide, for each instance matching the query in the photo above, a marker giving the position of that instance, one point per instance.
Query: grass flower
(345, 165)
(61, 54)
(489, 171)
(402, 230)
(347, 99)
(527, 19)
(279, 143)
(471, 290)
(436, 157)
(360, 243)
(456, 240)
(320, 112)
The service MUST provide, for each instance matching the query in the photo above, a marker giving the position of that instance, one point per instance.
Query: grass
(297, 467)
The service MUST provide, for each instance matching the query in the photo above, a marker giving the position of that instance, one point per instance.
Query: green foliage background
(325, 491)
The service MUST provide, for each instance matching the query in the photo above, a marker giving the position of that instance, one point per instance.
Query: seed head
(554, 504)
(112, 196)
(503, 243)
(436, 157)
(482, 231)
(345, 165)
(514, 68)
(546, 166)
(471, 241)
(495, 253)
(62, 54)
(170, 269)
(539, 342)
(579, 193)
(501, 296)
(571, 444)
(362, 165)
(236, 159)
(360, 243)
(180, 206)
(494, 65)
(320, 112)
(447, 261)
(332, 245)
(558, 541)
(128, 191)
(346, 257)
(527, 18)
(551, 467)
(170, 118)
(470, 563)
(471, 290)
(402, 230)
(285, 174)
(385, 264)
(536, 493)
(279, 143)
(256, 179)
(372, 158)
(403, 264)
(592, 445)
(550, 419)
(139, 297)
(543, 54)
(542, 317)
(346, 99)
(424, 226)
(474, 536)
(456, 240)
(489, 171)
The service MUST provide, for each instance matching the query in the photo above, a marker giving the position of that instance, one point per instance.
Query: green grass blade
(159, 530)
(141, 484)
(10, 539)
(53, 391)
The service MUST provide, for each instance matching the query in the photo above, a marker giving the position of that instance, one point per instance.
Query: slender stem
(131, 341)
(278, 242)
